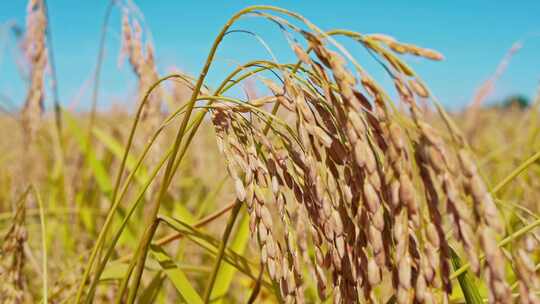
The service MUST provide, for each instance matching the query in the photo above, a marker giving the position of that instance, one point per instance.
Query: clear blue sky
(473, 35)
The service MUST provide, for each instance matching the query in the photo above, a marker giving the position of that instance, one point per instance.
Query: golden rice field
(324, 187)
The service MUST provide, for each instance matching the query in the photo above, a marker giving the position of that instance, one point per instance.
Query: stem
(116, 237)
(108, 220)
(502, 243)
(125, 280)
(172, 162)
(521, 231)
(531, 160)
(177, 235)
(43, 245)
(257, 288)
(124, 191)
(138, 272)
(221, 251)
(199, 224)
(97, 73)
(54, 82)
(179, 136)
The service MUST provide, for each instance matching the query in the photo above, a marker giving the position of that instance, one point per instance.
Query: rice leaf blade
(226, 272)
(175, 275)
(466, 282)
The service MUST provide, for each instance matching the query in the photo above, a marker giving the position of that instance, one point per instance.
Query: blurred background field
(69, 180)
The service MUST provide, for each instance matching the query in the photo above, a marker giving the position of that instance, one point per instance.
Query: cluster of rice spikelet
(12, 259)
(376, 188)
(529, 280)
(36, 54)
(142, 60)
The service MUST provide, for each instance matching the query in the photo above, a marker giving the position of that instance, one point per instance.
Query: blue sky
(473, 36)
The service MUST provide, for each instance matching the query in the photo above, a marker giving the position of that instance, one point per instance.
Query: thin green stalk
(97, 72)
(56, 101)
(123, 192)
(43, 245)
(108, 220)
(210, 244)
(54, 82)
(33, 212)
(502, 243)
(255, 291)
(116, 237)
(134, 261)
(141, 254)
(138, 273)
(225, 85)
(208, 62)
(101, 267)
(531, 160)
(221, 251)
(125, 281)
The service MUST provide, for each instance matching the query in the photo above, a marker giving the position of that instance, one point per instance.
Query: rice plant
(328, 187)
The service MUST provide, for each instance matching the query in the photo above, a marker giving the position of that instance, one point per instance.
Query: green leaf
(227, 271)
(151, 291)
(114, 271)
(96, 165)
(176, 275)
(117, 150)
(180, 211)
(117, 270)
(210, 244)
(392, 300)
(466, 282)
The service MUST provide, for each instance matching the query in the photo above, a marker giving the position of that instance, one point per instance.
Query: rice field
(321, 184)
